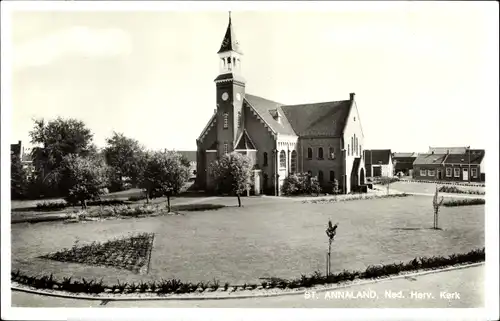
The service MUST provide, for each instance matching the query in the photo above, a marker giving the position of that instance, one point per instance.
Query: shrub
(300, 184)
(48, 206)
(465, 202)
(136, 198)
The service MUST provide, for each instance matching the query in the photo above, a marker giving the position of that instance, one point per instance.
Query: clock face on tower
(225, 96)
(238, 96)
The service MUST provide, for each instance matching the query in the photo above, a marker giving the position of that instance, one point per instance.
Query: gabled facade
(324, 139)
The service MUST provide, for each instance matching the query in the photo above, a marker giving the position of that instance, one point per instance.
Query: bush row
(353, 197)
(454, 189)
(317, 278)
(476, 184)
(465, 202)
(300, 184)
(62, 204)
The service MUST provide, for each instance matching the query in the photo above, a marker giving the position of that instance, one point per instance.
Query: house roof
(446, 150)
(265, 109)
(476, 156)
(245, 142)
(404, 155)
(229, 43)
(377, 156)
(429, 159)
(189, 154)
(318, 119)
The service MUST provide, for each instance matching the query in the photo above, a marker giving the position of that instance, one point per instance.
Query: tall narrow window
(309, 153)
(348, 150)
(282, 159)
(293, 162)
(239, 119)
(331, 153)
(225, 148)
(265, 159)
(320, 177)
(226, 124)
(352, 145)
(361, 151)
(332, 176)
(320, 153)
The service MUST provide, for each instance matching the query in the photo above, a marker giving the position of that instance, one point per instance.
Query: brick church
(323, 139)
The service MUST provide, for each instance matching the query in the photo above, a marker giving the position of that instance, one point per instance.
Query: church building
(322, 139)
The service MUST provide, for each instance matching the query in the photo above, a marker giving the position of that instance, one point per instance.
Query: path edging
(226, 297)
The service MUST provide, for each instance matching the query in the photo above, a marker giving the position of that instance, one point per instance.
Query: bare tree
(436, 204)
(331, 231)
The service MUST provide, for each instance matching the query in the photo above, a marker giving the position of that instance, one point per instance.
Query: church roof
(245, 142)
(264, 108)
(229, 43)
(318, 119)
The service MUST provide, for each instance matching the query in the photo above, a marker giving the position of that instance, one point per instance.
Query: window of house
(348, 150)
(320, 153)
(431, 172)
(448, 172)
(309, 153)
(226, 120)
(331, 153)
(456, 172)
(352, 145)
(293, 163)
(225, 148)
(282, 159)
(422, 172)
(473, 172)
(265, 159)
(239, 119)
(332, 176)
(320, 177)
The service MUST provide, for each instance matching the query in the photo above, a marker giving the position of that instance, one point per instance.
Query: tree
(232, 173)
(331, 231)
(81, 178)
(55, 140)
(385, 180)
(123, 155)
(18, 178)
(436, 204)
(164, 175)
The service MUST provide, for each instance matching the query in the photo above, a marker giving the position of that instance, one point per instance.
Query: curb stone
(61, 294)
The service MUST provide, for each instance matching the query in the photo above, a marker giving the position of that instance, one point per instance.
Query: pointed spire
(230, 43)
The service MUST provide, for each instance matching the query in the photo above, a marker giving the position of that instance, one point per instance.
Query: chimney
(351, 96)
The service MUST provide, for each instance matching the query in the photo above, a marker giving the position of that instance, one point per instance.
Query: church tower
(230, 92)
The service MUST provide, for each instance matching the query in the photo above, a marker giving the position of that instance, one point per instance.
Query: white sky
(422, 72)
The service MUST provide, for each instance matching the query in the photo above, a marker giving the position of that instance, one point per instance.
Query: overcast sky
(422, 72)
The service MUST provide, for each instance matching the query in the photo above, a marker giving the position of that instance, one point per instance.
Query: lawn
(267, 237)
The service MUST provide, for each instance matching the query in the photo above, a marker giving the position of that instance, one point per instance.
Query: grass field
(267, 237)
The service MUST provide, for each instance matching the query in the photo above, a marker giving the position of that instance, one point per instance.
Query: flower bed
(55, 206)
(344, 198)
(454, 189)
(130, 253)
(465, 202)
(476, 184)
(316, 278)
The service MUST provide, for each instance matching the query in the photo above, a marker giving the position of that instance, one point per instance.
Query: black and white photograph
(298, 160)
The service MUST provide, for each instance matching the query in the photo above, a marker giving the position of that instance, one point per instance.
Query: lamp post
(468, 176)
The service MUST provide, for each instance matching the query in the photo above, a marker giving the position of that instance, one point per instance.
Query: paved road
(461, 288)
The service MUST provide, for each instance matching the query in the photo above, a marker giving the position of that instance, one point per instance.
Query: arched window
(320, 153)
(352, 145)
(348, 150)
(239, 119)
(225, 148)
(265, 159)
(293, 162)
(309, 153)
(332, 176)
(320, 177)
(282, 159)
(226, 125)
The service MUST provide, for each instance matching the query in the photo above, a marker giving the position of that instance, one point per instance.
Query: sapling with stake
(436, 204)
(331, 231)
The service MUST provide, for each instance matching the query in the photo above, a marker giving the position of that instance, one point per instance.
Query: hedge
(477, 184)
(465, 202)
(316, 278)
(454, 189)
(355, 197)
(47, 206)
